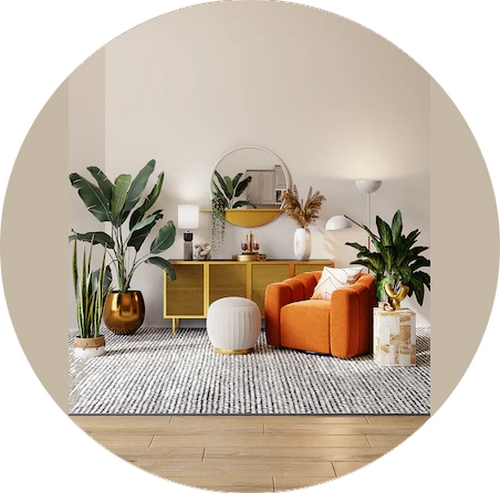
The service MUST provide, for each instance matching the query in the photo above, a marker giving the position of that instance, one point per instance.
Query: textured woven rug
(156, 372)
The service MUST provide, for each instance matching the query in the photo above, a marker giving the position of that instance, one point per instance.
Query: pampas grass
(302, 213)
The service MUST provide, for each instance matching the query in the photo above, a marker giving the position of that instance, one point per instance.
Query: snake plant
(117, 202)
(91, 290)
(396, 263)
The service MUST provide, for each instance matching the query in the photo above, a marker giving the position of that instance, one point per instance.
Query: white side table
(394, 338)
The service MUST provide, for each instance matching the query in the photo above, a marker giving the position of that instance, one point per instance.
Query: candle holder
(250, 250)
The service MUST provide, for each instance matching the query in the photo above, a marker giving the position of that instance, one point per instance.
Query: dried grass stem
(302, 213)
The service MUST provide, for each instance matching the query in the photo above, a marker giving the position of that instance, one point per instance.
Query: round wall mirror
(251, 179)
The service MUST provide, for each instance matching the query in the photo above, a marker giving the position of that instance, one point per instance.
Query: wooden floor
(249, 454)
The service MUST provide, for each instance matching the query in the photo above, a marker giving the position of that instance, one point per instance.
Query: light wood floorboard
(250, 454)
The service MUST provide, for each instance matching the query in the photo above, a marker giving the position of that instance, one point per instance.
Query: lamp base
(188, 246)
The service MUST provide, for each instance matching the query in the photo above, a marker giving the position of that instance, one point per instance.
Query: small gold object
(233, 351)
(249, 257)
(396, 298)
(250, 250)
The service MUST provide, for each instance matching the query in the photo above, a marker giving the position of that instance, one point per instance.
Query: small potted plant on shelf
(396, 263)
(91, 291)
(229, 190)
(226, 193)
(118, 203)
(303, 213)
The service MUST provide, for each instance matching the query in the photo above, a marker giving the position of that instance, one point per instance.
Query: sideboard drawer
(185, 296)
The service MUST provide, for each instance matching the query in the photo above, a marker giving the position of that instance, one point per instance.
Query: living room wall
(333, 100)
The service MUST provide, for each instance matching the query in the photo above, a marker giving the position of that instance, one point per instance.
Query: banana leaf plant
(227, 190)
(91, 290)
(115, 203)
(396, 263)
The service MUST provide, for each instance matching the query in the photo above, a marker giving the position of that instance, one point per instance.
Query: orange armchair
(341, 326)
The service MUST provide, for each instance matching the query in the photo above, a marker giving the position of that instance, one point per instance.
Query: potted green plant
(91, 289)
(228, 190)
(118, 203)
(396, 261)
(226, 193)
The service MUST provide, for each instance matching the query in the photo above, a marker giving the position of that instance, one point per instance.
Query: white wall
(86, 136)
(333, 100)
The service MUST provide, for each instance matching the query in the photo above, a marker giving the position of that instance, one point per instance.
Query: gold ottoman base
(234, 351)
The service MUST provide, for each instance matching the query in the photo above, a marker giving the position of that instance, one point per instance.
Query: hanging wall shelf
(250, 218)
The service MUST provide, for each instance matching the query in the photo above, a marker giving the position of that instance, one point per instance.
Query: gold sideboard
(200, 283)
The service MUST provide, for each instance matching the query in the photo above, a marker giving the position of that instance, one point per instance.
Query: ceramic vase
(302, 244)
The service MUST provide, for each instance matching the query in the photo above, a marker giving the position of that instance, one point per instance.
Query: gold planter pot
(124, 312)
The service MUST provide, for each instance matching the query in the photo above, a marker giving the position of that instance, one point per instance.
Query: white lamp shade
(188, 216)
(337, 222)
(368, 186)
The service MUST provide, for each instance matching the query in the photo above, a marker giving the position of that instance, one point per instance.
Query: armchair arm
(279, 294)
(351, 318)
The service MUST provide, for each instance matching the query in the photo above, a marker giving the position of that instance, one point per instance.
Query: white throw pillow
(333, 279)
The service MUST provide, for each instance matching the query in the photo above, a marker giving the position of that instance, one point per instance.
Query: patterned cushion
(333, 279)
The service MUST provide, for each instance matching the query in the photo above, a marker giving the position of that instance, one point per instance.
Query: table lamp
(188, 218)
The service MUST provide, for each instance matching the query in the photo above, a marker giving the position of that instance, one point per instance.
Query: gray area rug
(155, 372)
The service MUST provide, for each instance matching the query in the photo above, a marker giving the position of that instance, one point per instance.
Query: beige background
(96, 116)
(454, 143)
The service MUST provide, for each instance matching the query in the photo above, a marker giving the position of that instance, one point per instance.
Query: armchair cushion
(308, 322)
(333, 279)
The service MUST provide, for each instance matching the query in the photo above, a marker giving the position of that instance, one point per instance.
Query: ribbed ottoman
(233, 325)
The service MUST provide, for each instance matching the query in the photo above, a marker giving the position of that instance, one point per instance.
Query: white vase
(302, 244)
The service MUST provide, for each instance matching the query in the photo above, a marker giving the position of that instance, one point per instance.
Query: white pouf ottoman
(233, 325)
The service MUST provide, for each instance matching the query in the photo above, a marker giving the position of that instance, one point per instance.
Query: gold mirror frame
(252, 218)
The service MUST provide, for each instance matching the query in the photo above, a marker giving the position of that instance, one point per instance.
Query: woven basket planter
(89, 347)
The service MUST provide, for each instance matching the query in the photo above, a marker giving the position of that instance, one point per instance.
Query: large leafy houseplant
(396, 261)
(117, 202)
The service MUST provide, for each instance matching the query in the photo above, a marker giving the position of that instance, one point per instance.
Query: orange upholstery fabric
(341, 327)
